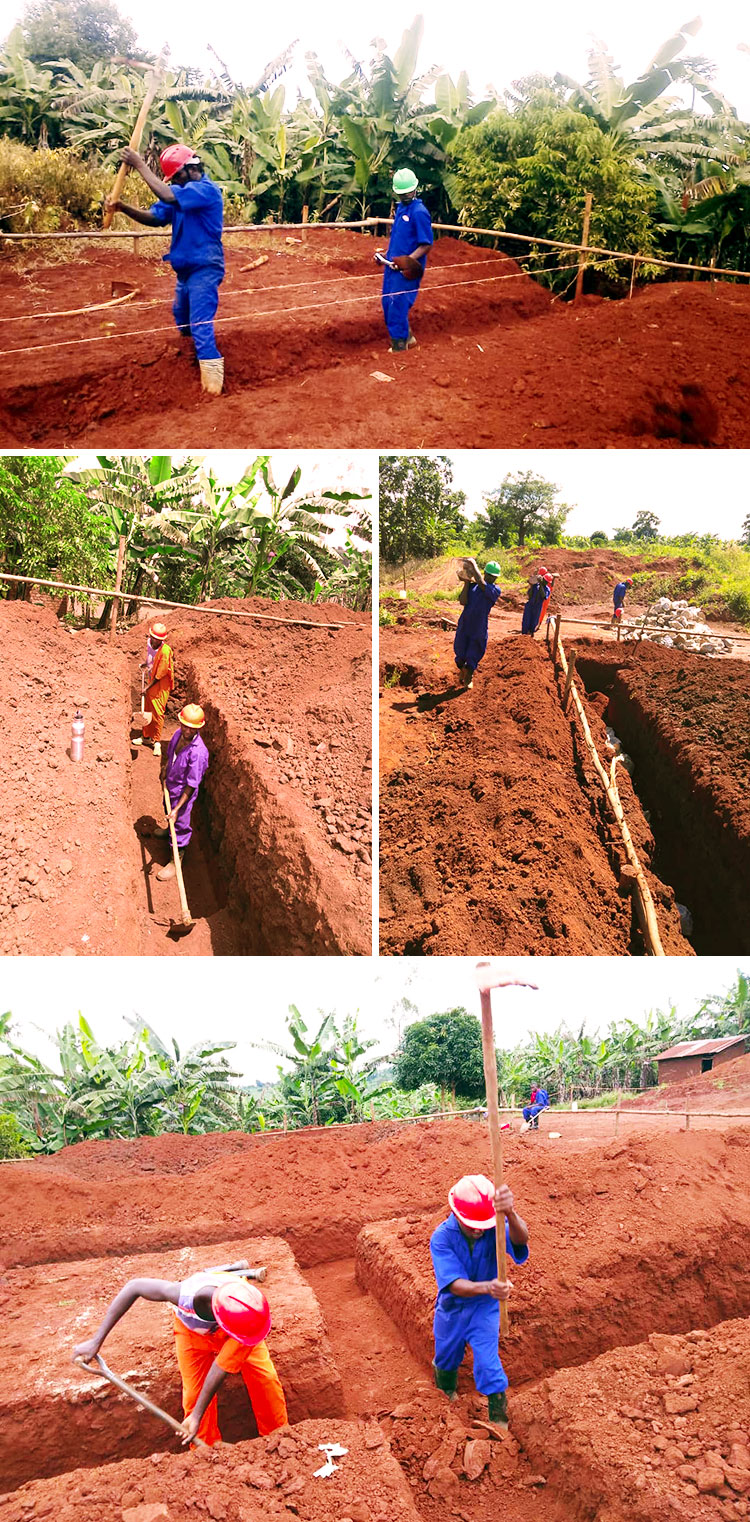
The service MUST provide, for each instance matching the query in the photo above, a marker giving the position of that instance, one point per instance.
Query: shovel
(140, 1400)
(187, 919)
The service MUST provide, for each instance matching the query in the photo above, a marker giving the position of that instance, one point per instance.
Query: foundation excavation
(589, 796)
(627, 1339)
(279, 859)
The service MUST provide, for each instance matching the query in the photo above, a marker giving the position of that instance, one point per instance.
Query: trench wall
(78, 1418)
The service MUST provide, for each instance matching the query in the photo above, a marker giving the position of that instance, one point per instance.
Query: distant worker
(192, 206)
(538, 600)
(410, 242)
(187, 764)
(467, 1309)
(220, 1326)
(159, 664)
(619, 598)
(538, 1101)
(478, 597)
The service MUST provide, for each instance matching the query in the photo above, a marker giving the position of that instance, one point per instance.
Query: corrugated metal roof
(700, 1048)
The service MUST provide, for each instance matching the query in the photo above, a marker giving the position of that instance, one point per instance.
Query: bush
(50, 190)
(12, 1143)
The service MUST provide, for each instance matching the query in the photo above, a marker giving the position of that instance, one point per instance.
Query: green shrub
(49, 190)
(12, 1143)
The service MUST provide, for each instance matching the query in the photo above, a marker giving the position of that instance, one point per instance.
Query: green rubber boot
(497, 1407)
(447, 1381)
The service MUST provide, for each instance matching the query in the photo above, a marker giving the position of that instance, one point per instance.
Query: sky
(250, 1002)
(689, 492)
(494, 44)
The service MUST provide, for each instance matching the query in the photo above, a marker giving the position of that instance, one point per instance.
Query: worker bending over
(409, 244)
(619, 598)
(538, 1101)
(220, 1326)
(538, 600)
(467, 1309)
(159, 667)
(478, 597)
(187, 764)
(192, 206)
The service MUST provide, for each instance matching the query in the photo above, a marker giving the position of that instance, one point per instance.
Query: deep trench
(696, 854)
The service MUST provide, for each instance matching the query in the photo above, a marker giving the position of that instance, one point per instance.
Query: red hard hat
(472, 1201)
(158, 630)
(628, 581)
(543, 571)
(241, 1310)
(175, 157)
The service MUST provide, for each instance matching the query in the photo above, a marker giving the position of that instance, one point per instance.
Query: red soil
(487, 372)
(727, 1087)
(513, 851)
(67, 1403)
(280, 860)
(648, 1434)
(247, 1482)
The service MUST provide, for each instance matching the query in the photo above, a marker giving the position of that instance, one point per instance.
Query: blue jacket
(475, 615)
(619, 594)
(411, 226)
(196, 217)
(455, 1257)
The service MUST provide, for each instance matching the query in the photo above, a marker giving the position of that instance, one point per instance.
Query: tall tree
(81, 30)
(646, 525)
(419, 509)
(523, 506)
(445, 1049)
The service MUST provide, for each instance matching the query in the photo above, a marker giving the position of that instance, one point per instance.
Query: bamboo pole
(569, 681)
(118, 584)
(556, 640)
(162, 602)
(187, 918)
(135, 143)
(584, 245)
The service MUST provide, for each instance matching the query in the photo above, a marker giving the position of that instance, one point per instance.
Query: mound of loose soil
(512, 850)
(306, 337)
(649, 1433)
(248, 1482)
(685, 724)
(68, 858)
(727, 1087)
(61, 1398)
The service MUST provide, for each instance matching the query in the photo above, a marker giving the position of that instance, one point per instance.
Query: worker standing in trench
(192, 206)
(159, 665)
(538, 600)
(187, 764)
(220, 1326)
(409, 244)
(618, 597)
(467, 1309)
(478, 597)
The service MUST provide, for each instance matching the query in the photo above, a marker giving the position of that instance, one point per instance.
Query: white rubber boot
(212, 376)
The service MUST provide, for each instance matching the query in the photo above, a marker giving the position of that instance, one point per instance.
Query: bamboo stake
(584, 245)
(486, 983)
(569, 681)
(118, 583)
(135, 143)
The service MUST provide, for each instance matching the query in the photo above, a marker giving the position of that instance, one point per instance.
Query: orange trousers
(156, 702)
(196, 1352)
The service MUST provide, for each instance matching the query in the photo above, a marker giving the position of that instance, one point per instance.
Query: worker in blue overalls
(467, 1309)
(192, 206)
(410, 242)
(478, 597)
(619, 598)
(538, 1101)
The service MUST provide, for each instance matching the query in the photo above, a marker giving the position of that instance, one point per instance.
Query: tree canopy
(419, 509)
(445, 1049)
(523, 506)
(81, 30)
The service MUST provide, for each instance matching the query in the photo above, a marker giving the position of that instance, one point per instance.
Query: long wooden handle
(135, 143)
(141, 1400)
(489, 1060)
(187, 918)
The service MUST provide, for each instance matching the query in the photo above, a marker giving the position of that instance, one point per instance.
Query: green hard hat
(492, 568)
(404, 180)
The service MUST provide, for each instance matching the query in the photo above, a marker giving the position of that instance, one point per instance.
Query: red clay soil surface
(668, 368)
(685, 724)
(66, 1402)
(280, 861)
(247, 1482)
(494, 836)
(648, 1434)
(726, 1087)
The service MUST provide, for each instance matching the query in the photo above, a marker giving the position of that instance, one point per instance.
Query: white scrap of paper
(380, 375)
(332, 1451)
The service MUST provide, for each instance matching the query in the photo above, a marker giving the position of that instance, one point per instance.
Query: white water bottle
(77, 731)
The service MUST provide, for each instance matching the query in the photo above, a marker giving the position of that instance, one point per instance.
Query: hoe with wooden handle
(187, 919)
(487, 980)
(140, 1400)
(135, 142)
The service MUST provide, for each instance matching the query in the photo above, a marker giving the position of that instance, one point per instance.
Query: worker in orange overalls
(221, 1322)
(159, 667)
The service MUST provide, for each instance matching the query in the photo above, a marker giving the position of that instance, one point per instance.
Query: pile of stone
(679, 626)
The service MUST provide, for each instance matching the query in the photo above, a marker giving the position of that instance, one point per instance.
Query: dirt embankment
(727, 1087)
(684, 721)
(513, 849)
(305, 337)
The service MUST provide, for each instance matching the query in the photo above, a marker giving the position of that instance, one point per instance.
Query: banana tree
(29, 96)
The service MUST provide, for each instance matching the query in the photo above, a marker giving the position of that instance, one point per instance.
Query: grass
(392, 678)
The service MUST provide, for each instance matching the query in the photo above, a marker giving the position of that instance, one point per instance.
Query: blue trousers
(530, 1111)
(476, 1322)
(399, 296)
(196, 299)
(468, 648)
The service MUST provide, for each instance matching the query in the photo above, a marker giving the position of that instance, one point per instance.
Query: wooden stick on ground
(187, 919)
(488, 981)
(135, 143)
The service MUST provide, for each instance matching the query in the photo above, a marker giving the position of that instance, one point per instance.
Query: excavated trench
(698, 853)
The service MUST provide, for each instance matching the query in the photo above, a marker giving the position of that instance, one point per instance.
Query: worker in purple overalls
(187, 763)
